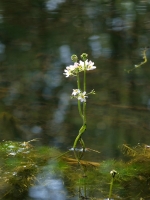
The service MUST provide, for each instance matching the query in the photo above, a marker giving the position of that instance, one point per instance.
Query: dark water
(37, 39)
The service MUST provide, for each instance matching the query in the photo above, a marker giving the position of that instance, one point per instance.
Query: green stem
(83, 146)
(84, 84)
(61, 155)
(85, 187)
(84, 113)
(79, 103)
(84, 103)
(82, 129)
(83, 116)
(111, 186)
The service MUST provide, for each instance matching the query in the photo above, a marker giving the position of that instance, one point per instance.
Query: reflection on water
(35, 46)
(52, 5)
(49, 186)
(65, 54)
(34, 53)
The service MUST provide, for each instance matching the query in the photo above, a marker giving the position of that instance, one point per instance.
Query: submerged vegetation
(142, 63)
(21, 162)
(127, 180)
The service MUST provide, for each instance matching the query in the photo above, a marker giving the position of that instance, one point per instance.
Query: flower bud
(84, 56)
(74, 58)
(113, 173)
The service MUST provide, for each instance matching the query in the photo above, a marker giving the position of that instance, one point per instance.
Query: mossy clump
(133, 176)
(131, 181)
(20, 163)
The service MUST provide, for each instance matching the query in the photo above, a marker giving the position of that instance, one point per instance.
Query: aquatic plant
(130, 182)
(142, 63)
(113, 174)
(80, 94)
(20, 162)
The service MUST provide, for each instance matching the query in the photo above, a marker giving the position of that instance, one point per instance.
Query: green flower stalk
(142, 63)
(80, 93)
(113, 174)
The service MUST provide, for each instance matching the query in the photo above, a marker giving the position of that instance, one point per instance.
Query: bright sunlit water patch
(48, 187)
(2, 48)
(65, 54)
(52, 5)
(94, 42)
(100, 45)
(1, 18)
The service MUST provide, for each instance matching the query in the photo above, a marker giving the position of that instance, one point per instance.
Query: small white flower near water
(90, 66)
(73, 70)
(81, 65)
(75, 92)
(113, 173)
(82, 97)
(69, 70)
(67, 73)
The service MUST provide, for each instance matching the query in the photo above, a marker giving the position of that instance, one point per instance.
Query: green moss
(21, 162)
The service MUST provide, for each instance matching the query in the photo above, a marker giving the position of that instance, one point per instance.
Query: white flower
(75, 92)
(82, 96)
(71, 70)
(81, 65)
(113, 173)
(67, 73)
(78, 67)
(90, 65)
(68, 70)
(71, 67)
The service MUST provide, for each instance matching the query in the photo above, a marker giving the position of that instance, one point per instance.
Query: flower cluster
(73, 70)
(79, 95)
